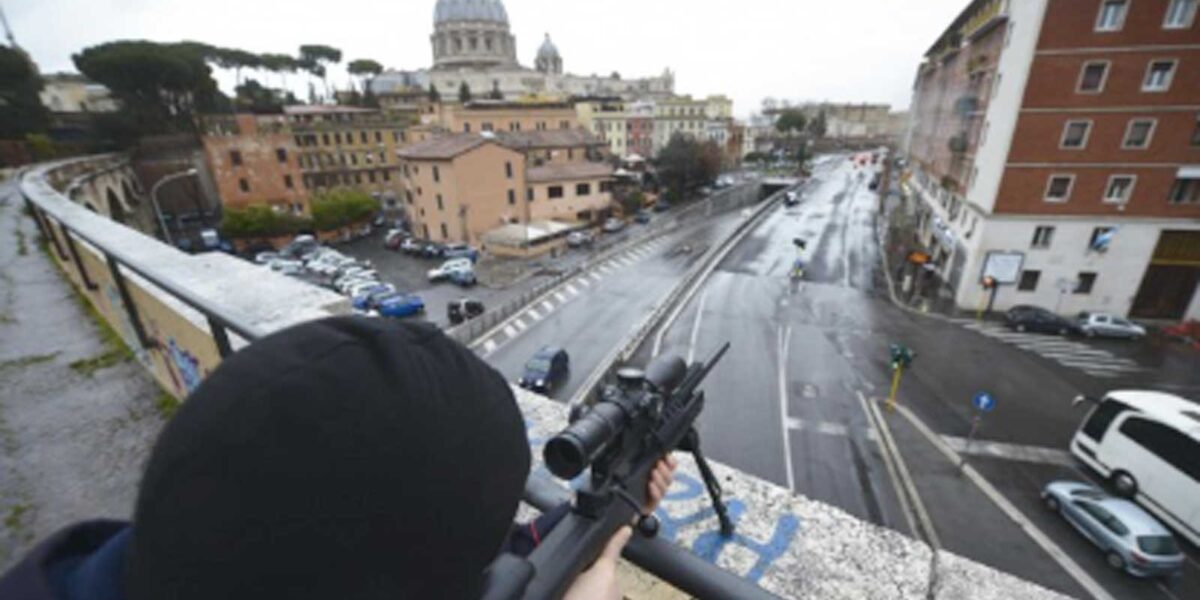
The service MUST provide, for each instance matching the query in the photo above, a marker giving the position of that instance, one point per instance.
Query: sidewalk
(77, 414)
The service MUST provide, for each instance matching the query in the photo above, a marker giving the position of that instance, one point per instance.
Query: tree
(159, 86)
(632, 202)
(315, 58)
(817, 127)
(280, 64)
(464, 93)
(235, 59)
(342, 207)
(685, 163)
(254, 96)
(21, 110)
(365, 69)
(434, 94)
(260, 221)
(791, 121)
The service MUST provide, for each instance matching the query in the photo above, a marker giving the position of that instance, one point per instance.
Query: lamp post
(162, 222)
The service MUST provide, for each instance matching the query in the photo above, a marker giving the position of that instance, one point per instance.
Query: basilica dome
(472, 34)
(491, 11)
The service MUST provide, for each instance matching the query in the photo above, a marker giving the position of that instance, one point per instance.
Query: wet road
(789, 403)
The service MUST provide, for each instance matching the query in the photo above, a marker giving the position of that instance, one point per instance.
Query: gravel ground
(72, 439)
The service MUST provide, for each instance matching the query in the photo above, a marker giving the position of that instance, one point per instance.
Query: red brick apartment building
(1055, 145)
(254, 160)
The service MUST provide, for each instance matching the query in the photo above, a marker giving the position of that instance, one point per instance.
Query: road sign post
(983, 403)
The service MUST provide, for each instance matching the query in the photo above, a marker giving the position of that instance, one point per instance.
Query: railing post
(221, 337)
(83, 273)
(135, 320)
(48, 231)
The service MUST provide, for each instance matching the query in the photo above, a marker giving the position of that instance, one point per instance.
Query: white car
(580, 238)
(282, 265)
(450, 266)
(344, 286)
(1105, 325)
(359, 289)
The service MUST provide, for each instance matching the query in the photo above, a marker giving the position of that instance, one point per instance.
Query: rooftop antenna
(12, 41)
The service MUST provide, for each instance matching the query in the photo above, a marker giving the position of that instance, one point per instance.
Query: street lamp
(162, 222)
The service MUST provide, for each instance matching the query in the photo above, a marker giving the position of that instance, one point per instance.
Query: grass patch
(166, 404)
(13, 519)
(27, 361)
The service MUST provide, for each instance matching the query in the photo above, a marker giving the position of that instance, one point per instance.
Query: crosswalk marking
(583, 281)
(547, 305)
(1017, 452)
(489, 346)
(596, 277)
(520, 324)
(533, 314)
(560, 296)
(1069, 353)
(572, 290)
(510, 330)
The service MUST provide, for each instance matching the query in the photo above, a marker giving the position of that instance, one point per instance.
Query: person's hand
(600, 581)
(659, 482)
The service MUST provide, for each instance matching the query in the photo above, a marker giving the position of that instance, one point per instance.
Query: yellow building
(492, 115)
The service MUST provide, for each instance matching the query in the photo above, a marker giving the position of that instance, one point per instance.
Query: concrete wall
(567, 208)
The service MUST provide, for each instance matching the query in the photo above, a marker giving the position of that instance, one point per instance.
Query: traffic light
(989, 283)
(902, 357)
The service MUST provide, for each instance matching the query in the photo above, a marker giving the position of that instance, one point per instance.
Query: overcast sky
(836, 50)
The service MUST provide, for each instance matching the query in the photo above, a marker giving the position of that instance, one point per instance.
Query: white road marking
(822, 427)
(1055, 351)
(785, 334)
(910, 485)
(572, 290)
(562, 298)
(584, 282)
(1100, 374)
(1086, 364)
(547, 305)
(533, 314)
(624, 261)
(520, 324)
(905, 508)
(596, 277)
(489, 346)
(1017, 452)
(1039, 537)
(691, 353)
(510, 331)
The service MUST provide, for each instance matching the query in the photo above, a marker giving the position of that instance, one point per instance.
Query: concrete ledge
(796, 547)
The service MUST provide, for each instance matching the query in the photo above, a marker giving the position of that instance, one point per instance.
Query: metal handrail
(660, 557)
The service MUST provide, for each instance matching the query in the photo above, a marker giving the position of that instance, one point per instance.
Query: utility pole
(12, 41)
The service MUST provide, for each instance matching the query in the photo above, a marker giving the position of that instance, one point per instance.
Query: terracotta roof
(568, 171)
(549, 138)
(324, 109)
(443, 147)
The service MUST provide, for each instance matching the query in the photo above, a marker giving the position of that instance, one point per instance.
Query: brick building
(254, 160)
(1055, 144)
(459, 187)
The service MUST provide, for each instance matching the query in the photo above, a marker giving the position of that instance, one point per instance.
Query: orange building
(254, 160)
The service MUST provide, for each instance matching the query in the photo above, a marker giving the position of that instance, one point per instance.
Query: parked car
(791, 198)
(642, 217)
(412, 246)
(704, 192)
(463, 277)
(460, 251)
(283, 265)
(662, 206)
(578, 239)
(263, 258)
(354, 291)
(394, 238)
(344, 286)
(454, 264)
(370, 298)
(613, 225)
(1105, 325)
(433, 250)
(465, 309)
(1033, 318)
(1131, 539)
(723, 182)
(546, 370)
(300, 247)
(400, 306)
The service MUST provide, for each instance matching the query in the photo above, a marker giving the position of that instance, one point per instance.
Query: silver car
(1106, 325)
(1132, 540)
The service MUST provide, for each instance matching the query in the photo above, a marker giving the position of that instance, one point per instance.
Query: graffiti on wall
(182, 366)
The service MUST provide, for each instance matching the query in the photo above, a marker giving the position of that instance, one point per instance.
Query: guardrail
(96, 254)
(473, 331)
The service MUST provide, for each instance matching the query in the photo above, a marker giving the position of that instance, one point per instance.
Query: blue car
(370, 298)
(401, 306)
(1132, 540)
(546, 370)
(460, 251)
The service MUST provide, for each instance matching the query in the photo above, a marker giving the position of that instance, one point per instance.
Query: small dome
(548, 49)
(470, 10)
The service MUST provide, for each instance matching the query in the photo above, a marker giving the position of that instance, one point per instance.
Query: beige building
(492, 115)
(73, 93)
(460, 186)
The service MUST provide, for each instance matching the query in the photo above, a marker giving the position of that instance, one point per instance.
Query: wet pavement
(72, 438)
(791, 401)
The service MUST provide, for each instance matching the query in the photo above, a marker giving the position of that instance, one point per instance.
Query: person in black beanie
(348, 458)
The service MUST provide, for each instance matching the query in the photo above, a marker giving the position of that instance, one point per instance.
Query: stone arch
(116, 211)
(130, 196)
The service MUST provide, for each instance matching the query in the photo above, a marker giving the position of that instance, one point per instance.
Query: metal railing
(670, 563)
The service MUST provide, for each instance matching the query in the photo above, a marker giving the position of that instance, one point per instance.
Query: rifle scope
(573, 450)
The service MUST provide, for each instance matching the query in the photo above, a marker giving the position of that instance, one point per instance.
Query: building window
(570, 154)
(1180, 14)
(466, 128)
(445, 232)
(1042, 237)
(1058, 188)
(1075, 134)
(564, 124)
(325, 139)
(583, 189)
(485, 127)
(370, 176)
(363, 136)
(281, 154)
(529, 194)
(408, 195)
(1159, 74)
(387, 175)
(554, 191)
(1185, 191)
(1029, 281)
(512, 197)
(439, 201)
(337, 138)
(1196, 132)
(287, 182)
(1112, 15)
(1119, 189)
(508, 172)
(437, 174)
(378, 137)
(382, 157)
(357, 178)
(1085, 283)
(1138, 134)
(235, 157)
(244, 185)
(354, 159)
(605, 186)
(1092, 77)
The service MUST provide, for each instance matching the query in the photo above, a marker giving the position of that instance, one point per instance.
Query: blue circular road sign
(984, 402)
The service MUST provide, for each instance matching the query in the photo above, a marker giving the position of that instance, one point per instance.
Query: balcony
(958, 144)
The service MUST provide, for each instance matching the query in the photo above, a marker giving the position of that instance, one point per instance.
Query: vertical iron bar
(221, 337)
(134, 319)
(83, 273)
